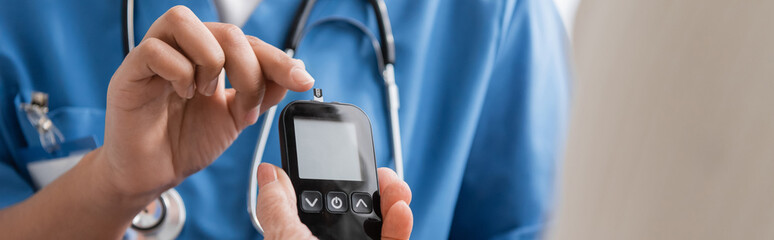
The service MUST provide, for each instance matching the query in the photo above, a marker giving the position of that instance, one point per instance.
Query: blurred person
(672, 122)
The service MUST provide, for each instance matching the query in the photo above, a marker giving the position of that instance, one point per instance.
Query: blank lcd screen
(327, 150)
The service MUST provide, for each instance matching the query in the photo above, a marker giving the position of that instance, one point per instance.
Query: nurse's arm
(80, 204)
(168, 116)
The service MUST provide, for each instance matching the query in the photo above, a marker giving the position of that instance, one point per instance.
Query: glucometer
(328, 153)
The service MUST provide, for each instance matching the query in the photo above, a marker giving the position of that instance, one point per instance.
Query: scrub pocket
(83, 130)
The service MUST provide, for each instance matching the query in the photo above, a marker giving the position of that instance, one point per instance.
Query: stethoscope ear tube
(296, 31)
(385, 31)
(393, 104)
(260, 148)
(127, 18)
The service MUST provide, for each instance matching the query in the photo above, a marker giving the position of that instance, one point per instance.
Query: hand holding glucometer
(328, 153)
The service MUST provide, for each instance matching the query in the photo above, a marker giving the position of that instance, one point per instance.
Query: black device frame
(327, 225)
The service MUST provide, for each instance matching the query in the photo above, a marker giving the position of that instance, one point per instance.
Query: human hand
(168, 114)
(279, 216)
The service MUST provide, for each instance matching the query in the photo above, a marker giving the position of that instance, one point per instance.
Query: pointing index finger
(280, 68)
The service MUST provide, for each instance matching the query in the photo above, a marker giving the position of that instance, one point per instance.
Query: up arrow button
(361, 202)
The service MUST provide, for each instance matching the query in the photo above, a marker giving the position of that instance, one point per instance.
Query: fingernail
(252, 116)
(266, 174)
(300, 76)
(190, 92)
(211, 87)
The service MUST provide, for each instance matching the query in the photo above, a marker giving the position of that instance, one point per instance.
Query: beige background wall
(672, 130)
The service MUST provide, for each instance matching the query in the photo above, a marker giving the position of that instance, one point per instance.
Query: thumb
(276, 206)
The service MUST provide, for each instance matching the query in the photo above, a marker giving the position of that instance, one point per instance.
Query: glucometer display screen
(327, 150)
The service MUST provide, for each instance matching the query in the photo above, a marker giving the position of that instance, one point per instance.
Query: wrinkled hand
(168, 112)
(279, 216)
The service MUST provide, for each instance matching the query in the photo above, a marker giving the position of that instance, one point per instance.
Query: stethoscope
(167, 214)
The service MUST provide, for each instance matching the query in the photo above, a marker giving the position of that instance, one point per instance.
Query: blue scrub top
(484, 92)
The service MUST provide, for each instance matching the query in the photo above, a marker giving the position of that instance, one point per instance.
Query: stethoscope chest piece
(161, 219)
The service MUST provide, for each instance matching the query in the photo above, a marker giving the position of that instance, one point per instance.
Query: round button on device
(337, 202)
